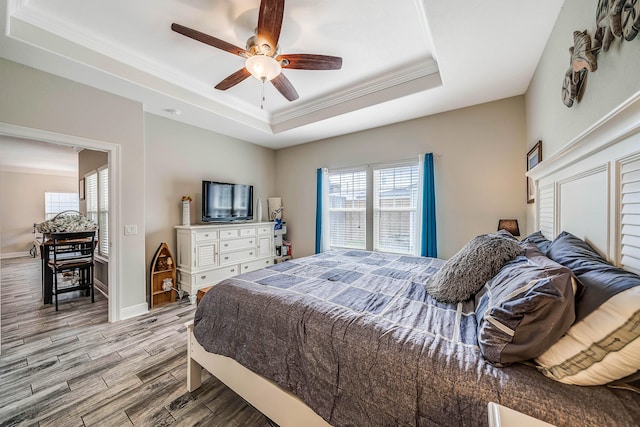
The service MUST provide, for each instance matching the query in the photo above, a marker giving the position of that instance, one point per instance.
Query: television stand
(210, 253)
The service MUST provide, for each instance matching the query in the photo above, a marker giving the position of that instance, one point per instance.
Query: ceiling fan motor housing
(255, 48)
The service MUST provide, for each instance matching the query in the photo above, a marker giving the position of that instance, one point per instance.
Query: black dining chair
(72, 262)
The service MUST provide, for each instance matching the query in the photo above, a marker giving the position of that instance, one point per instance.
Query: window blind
(348, 209)
(103, 209)
(395, 208)
(91, 196)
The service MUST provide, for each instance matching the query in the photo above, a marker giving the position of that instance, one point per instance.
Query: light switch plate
(131, 229)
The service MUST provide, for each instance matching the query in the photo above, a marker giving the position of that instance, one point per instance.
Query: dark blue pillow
(601, 280)
(525, 308)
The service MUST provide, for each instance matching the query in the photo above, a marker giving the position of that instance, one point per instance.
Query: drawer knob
(266, 262)
(246, 266)
(203, 277)
(250, 253)
(226, 258)
(226, 245)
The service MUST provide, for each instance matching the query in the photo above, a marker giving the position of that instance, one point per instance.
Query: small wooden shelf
(163, 268)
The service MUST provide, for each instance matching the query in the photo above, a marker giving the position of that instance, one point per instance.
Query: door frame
(114, 154)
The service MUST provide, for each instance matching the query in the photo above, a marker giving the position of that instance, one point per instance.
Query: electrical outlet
(131, 229)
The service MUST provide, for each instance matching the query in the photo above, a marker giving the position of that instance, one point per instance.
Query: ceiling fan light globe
(263, 67)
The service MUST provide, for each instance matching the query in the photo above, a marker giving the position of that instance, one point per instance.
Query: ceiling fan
(263, 59)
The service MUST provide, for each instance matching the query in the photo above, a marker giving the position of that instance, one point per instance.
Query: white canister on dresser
(186, 213)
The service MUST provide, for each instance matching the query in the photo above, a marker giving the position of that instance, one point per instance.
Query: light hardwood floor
(73, 368)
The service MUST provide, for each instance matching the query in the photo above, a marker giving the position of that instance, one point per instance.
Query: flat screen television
(224, 202)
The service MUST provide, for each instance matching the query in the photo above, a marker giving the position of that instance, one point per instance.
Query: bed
(352, 338)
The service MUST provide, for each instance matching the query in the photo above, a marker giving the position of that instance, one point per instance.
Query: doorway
(113, 154)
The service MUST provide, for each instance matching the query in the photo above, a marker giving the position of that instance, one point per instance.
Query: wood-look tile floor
(73, 368)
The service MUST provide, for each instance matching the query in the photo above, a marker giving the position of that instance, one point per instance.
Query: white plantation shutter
(630, 215)
(97, 200)
(91, 196)
(348, 209)
(103, 209)
(395, 208)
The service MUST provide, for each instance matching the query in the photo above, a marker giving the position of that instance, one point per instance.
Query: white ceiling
(401, 60)
(24, 155)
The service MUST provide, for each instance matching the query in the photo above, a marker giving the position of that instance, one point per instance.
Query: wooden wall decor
(615, 19)
(163, 278)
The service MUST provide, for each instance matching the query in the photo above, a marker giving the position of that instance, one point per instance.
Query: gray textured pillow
(525, 308)
(466, 272)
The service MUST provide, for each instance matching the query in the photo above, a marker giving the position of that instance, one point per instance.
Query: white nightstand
(501, 416)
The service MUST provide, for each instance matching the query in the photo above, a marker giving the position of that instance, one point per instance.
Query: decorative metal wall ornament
(609, 21)
(614, 19)
(583, 60)
(630, 19)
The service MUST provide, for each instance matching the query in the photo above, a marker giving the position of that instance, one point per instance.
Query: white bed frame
(590, 188)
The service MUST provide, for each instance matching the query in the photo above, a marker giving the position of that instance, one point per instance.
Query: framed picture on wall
(534, 156)
(81, 188)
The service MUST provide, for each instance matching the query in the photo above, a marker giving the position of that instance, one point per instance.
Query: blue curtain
(319, 210)
(429, 242)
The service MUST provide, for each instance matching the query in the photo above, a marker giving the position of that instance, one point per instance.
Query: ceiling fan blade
(270, 22)
(210, 40)
(285, 87)
(233, 79)
(302, 61)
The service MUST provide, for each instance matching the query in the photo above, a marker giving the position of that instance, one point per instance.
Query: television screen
(226, 202)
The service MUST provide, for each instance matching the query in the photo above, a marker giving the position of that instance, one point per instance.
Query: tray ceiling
(401, 60)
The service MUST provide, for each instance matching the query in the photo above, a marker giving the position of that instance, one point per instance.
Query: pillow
(539, 240)
(601, 280)
(525, 308)
(506, 234)
(467, 271)
(604, 343)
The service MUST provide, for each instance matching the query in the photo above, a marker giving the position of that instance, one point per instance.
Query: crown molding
(37, 171)
(377, 84)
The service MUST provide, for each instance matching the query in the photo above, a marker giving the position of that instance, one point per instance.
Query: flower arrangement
(187, 199)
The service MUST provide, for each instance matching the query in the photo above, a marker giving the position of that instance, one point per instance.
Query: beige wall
(22, 205)
(89, 161)
(178, 158)
(479, 162)
(38, 100)
(615, 81)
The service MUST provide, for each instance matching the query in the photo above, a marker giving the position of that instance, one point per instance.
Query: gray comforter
(356, 337)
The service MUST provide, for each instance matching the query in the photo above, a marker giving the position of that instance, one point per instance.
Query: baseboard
(15, 255)
(133, 311)
(101, 287)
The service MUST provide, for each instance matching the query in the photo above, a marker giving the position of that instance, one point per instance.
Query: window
(97, 204)
(375, 208)
(348, 209)
(54, 203)
(395, 208)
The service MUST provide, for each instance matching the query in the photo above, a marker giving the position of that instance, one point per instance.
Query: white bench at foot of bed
(281, 406)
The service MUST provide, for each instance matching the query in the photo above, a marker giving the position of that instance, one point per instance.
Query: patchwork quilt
(355, 335)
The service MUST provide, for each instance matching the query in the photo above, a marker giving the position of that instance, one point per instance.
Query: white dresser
(208, 254)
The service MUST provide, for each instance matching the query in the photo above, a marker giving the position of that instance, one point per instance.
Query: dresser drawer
(206, 235)
(231, 245)
(245, 232)
(232, 257)
(262, 230)
(229, 234)
(246, 267)
(214, 276)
